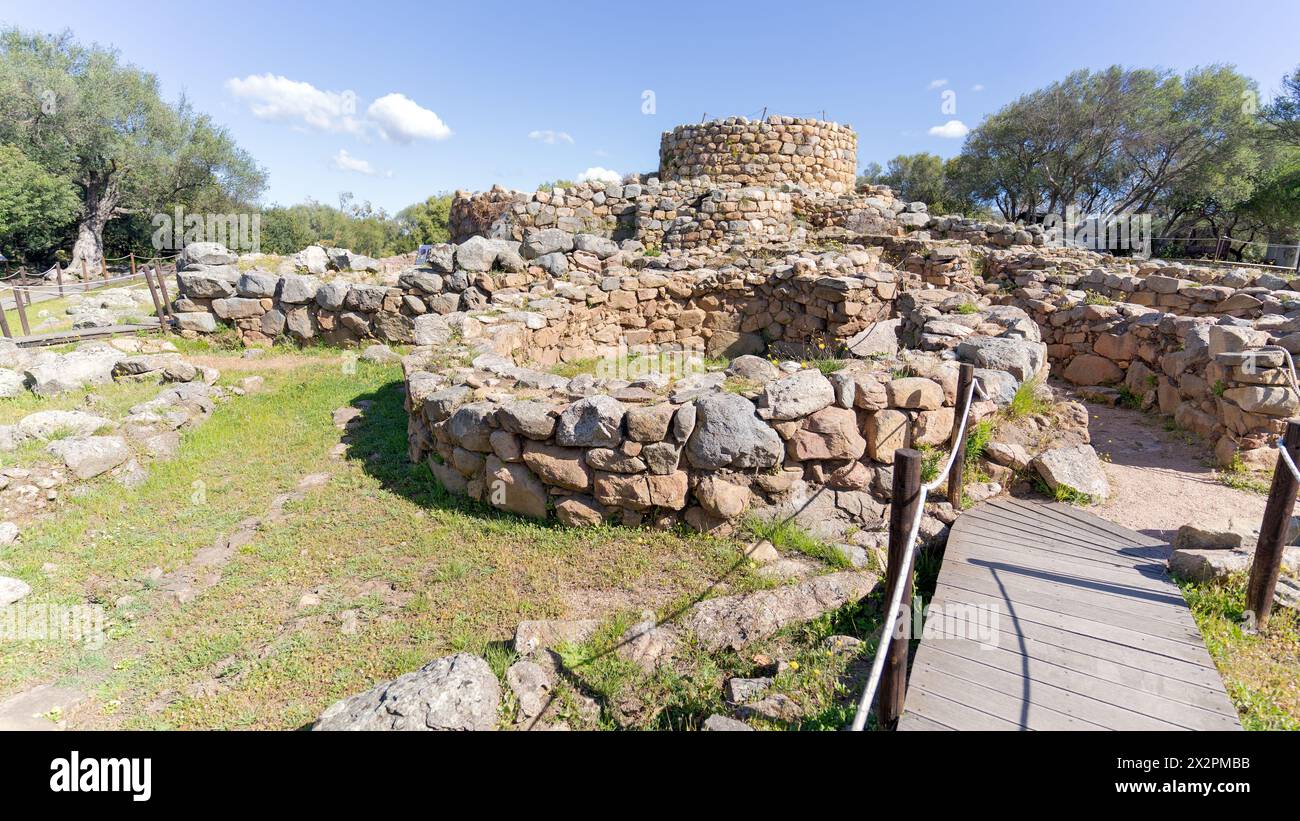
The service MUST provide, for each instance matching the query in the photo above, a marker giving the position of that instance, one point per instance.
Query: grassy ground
(398, 572)
(1259, 670)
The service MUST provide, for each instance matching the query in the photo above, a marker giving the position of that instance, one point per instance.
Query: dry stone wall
(769, 152)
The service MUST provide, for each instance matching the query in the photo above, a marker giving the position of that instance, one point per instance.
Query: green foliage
(1094, 298)
(1115, 140)
(1026, 402)
(784, 534)
(93, 121)
(36, 208)
(427, 221)
(978, 438)
(968, 308)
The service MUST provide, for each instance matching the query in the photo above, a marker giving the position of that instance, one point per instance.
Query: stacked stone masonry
(777, 150)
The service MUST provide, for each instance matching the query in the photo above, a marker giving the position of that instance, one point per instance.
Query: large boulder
(1091, 369)
(477, 254)
(89, 456)
(1208, 564)
(1022, 358)
(731, 622)
(798, 395)
(198, 284)
(879, 339)
(457, 692)
(591, 422)
(313, 259)
(46, 425)
(546, 241)
(511, 486)
(72, 371)
(728, 434)
(1076, 469)
(830, 433)
(207, 253)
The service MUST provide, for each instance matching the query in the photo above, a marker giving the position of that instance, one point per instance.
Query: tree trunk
(101, 204)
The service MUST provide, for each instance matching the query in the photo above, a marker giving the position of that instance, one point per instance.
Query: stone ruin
(749, 254)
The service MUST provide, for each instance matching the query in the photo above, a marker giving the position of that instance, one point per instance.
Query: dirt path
(1161, 479)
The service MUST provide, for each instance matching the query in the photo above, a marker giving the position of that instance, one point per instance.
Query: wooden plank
(1038, 692)
(951, 713)
(1093, 634)
(913, 721)
(1013, 709)
(1159, 698)
(1022, 561)
(1066, 603)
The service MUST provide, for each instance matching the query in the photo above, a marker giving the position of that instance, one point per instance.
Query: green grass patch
(784, 534)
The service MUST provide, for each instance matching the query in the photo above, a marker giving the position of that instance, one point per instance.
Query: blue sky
(466, 94)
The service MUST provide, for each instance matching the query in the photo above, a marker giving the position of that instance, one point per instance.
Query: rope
(891, 615)
(1286, 458)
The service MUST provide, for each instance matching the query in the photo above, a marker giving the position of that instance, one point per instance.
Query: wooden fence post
(4, 319)
(1220, 249)
(22, 312)
(1272, 532)
(965, 376)
(157, 303)
(58, 272)
(103, 267)
(85, 275)
(162, 290)
(907, 495)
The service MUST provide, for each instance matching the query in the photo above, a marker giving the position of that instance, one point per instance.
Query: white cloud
(940, 83)
(951, 130)
(344, 161)
(598, 174)
(977, 87)
(550, 137)
(279, 99)
(402, 120)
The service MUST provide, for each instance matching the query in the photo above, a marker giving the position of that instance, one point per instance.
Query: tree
(1133, 140)
(427, 222)
(1284, 112)
(36, 207)
(101, 124)
(916, 177)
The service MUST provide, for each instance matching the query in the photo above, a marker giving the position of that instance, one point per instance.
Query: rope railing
(909, 554)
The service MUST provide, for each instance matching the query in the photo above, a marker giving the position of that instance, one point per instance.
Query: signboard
(422, 254)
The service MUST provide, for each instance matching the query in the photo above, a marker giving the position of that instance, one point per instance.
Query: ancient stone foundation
(768, 152)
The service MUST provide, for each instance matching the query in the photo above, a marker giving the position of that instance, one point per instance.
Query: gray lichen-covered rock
(727, 433)
(1022, 358)
(798, 395)
(1076, 469)
(457, 692)
(89, 456)
(67, 372)
(591, 422)
(731, 622)
(1207, 565)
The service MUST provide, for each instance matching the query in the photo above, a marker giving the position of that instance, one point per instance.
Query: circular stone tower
(806, 152)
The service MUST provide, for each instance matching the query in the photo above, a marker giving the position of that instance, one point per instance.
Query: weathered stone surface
(1075, 468)
(721, 724)
(731, 622)
(594, 421)
(1022, 358)
(727, 433)
(830, 433)
(879, 339)
(89, 456)
(754, 368)
(1090, 369)
(914, 392)
(1206, 538)
(74, 370)
(887, 431)
(722, 498)
(532, 687)
(514, 488)
(534, 635)
(457, 692)
(298, 290)
(13, 590)
(1207, 565)
(649, 424)
(579, 511)
(45, 425)
(527, 418)
(1265, 400)
(798, 395)
(559, 466)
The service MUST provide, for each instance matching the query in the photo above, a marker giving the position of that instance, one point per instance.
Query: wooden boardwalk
(1091, 633)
